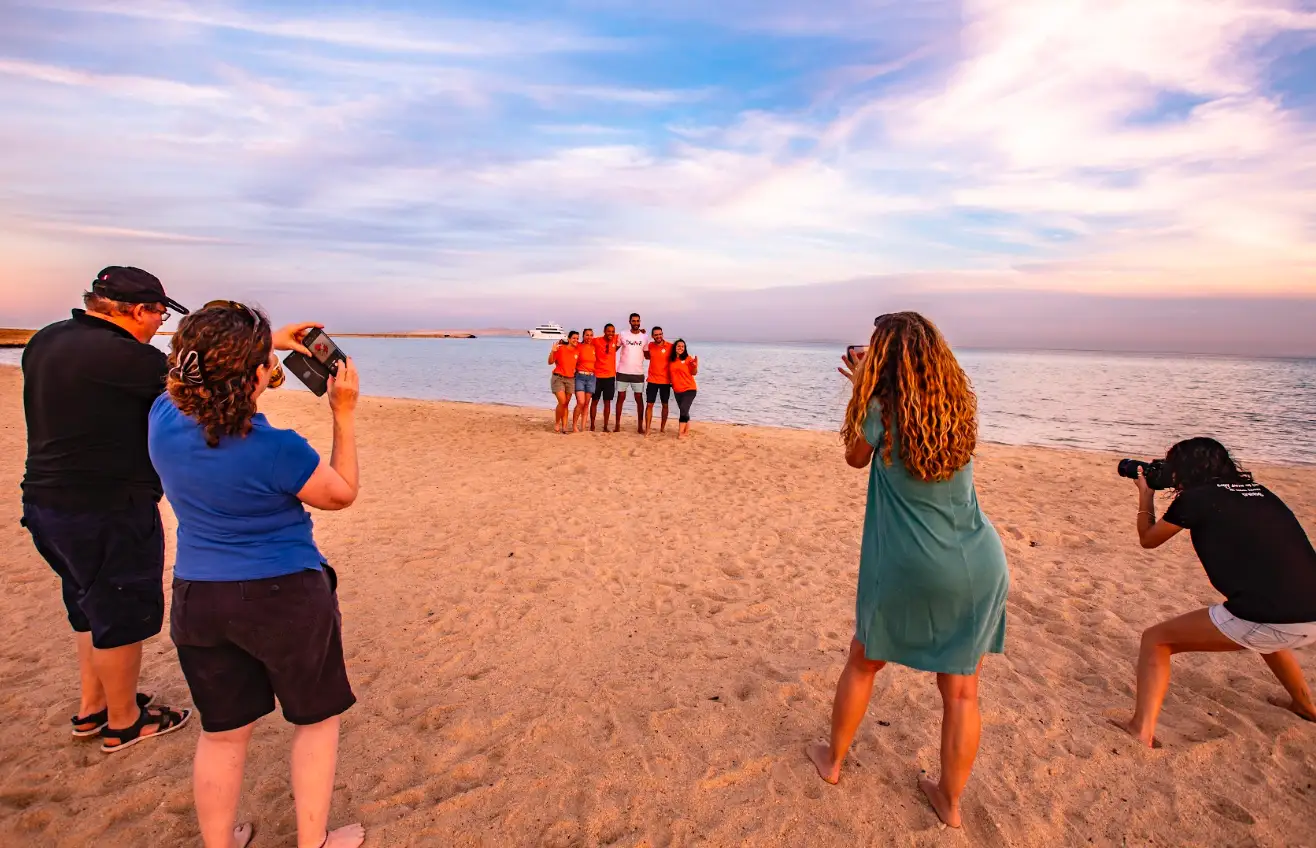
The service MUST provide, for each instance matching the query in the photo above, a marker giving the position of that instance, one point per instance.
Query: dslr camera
(1156, 473)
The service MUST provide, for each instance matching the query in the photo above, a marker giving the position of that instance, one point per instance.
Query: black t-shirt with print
(1253, 549)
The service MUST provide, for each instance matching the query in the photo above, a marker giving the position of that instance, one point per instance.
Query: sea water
(1262, 409)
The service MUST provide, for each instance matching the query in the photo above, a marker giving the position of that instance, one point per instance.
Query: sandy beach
(602, 640)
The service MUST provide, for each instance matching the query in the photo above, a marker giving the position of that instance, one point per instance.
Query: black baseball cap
(133, 285)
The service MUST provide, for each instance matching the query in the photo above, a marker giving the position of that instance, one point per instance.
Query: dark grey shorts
(243, 643)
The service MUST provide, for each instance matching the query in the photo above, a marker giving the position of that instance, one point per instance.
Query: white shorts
(1262, 638)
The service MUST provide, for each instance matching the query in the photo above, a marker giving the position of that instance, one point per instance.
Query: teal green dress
(932, 571)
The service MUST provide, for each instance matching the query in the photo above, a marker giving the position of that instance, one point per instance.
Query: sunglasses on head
(276, 375)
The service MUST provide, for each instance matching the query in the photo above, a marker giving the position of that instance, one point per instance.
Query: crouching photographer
(255, 612)
(1255, 553)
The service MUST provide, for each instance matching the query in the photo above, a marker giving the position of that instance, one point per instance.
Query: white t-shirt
(630, 355)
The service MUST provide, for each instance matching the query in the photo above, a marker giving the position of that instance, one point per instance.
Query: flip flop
(166, 719)
(102, 718)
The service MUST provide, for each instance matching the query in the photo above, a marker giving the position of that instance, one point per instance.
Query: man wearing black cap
(91, 495)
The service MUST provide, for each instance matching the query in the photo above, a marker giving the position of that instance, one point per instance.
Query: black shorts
(605, 388)
(110, 565)
(655, 390)
(243, 643)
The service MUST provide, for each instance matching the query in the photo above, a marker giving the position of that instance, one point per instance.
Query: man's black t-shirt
(88, 386)
(1253, 549)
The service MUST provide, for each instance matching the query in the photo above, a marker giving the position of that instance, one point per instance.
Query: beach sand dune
(606, 641)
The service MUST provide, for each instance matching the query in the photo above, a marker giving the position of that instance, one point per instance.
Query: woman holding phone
(932, 571)
(255, 613)
(683, 369)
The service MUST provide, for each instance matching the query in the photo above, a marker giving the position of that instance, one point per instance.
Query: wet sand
(602, 640)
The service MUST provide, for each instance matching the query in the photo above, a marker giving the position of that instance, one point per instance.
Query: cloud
(163, 92)
(382, 32)
(681, 152)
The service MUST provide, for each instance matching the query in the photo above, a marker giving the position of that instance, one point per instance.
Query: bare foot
(949, 815)
(242, 835)
(1127, 727)
(349, 836)
(821, 755)
(1294, 707)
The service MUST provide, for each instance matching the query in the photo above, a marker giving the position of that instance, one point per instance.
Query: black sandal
(102, 718)
(164, 718)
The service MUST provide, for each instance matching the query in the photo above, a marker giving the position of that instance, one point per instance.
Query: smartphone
(854, 353)
(324, 349)
(315, 370)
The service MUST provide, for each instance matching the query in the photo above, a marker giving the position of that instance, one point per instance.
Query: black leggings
(683, 401)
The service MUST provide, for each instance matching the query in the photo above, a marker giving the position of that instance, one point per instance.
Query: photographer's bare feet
(1304, 712)
(821, 755)
(349, 836)
(242, 835)
(947, 812)
(1131, 729)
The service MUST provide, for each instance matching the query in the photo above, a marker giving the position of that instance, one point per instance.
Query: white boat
(548, 331)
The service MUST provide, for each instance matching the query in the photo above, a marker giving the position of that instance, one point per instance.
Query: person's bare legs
(639, 412)
(578, 417)
(853, 692)
(91, 698)
(217, 784)
(647, 426)
(1289, 673)
(683, 430)
(314, 759)
(1192, 631)
(662, 427)
(117, 669)
(560, 414)
(607, 412)
(621, 401)
(961, 728)
(594, 415)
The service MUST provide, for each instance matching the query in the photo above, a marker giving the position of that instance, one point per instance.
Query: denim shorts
(586, 383)
(110, 565)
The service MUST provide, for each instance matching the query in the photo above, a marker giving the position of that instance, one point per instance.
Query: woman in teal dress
(932, 571)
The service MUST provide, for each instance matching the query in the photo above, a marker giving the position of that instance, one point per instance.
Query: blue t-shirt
(238, 513)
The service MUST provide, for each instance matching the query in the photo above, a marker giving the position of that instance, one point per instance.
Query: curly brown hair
(213, 360)
(910, 371)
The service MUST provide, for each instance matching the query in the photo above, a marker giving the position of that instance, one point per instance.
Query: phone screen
(322, 347)
(856, 352)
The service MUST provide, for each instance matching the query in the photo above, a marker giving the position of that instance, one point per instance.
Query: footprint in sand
(1229, 810)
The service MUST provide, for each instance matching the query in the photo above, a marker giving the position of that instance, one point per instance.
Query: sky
(1030, 173)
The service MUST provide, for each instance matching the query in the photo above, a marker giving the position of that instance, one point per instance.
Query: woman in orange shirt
(563, 358)
(683, 367)
(586, 382)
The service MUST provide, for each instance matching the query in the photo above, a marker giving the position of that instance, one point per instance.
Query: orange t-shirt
(588, 354)
(658, 370)
(565, 356)
(683, 374)
(606, 366)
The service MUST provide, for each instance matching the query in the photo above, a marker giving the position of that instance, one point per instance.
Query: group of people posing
(599, 368)
(113, 424)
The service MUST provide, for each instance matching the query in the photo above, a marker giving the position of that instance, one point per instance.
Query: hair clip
(188, 369)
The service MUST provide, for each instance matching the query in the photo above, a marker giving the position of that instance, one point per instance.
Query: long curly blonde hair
(924, 395)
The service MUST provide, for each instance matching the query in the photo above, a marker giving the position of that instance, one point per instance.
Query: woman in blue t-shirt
(255, 613)
(1255, 553)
